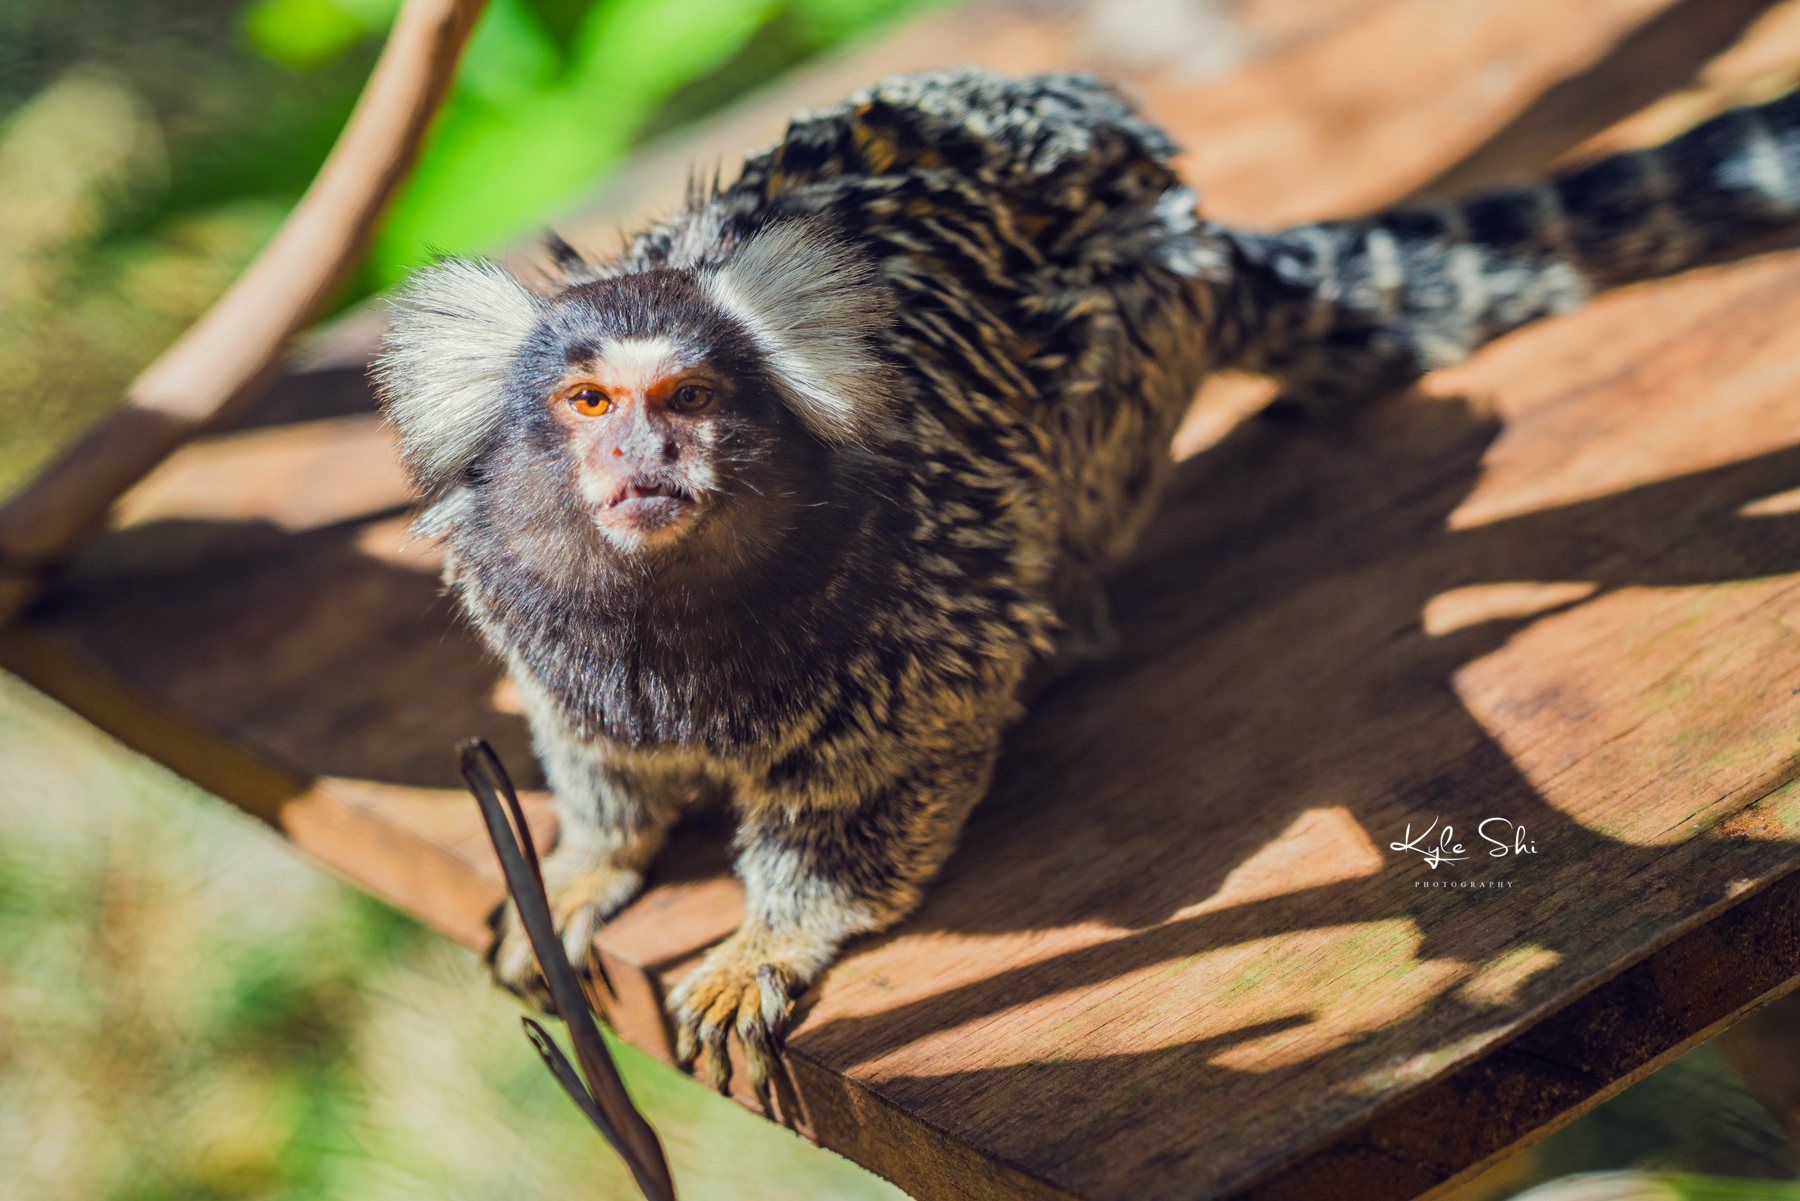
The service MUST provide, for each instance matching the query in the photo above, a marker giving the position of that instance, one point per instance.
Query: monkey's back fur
(978, 308)
(1031, 237)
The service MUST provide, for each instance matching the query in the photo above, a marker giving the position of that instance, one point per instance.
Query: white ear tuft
(817, 308)
(455, 329)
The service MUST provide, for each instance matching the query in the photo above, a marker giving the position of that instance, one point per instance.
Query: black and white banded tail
(1340, 309)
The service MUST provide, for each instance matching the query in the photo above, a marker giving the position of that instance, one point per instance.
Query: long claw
(578, 937)
(719, 1061)
(758, 1054)
(773, 989)
(735, 989)
(687, 1047)
(760, 1084)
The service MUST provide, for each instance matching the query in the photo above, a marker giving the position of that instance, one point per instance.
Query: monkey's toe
(512, 962)
(580, 903)
(735, 987)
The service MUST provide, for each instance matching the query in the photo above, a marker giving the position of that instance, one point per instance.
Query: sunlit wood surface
(1178, 953)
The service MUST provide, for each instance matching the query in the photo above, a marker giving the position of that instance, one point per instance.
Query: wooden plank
(1762, 64)
(1663, 55)
(1179, 953)
(1345, 123)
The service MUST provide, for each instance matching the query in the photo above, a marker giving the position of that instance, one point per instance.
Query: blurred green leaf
(511, 62)
(374, 14)
(519, 137)
(302, 34)
(832, 21)
(562, 19)
(645, 49)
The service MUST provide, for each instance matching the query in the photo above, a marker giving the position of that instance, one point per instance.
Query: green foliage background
(552, 92)
(149, 147)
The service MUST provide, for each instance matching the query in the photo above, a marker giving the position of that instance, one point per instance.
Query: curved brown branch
(227, 355)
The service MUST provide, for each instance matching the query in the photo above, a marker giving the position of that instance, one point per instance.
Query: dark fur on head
(568, 262)
(705, 639)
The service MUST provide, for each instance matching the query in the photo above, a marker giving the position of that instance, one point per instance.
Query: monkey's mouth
(645, 505)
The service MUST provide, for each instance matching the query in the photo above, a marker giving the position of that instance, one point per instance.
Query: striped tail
(1345, 309)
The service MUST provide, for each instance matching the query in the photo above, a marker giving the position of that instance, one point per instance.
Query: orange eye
(690, 398)
(590, 402)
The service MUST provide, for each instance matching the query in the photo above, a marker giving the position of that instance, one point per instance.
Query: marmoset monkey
(788, 504)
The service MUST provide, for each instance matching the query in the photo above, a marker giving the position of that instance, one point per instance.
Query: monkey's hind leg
(612, 821)
(812, 879)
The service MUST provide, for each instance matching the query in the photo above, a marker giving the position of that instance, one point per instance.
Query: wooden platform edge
(930, 1164)
(314, 815)
(1744, 955)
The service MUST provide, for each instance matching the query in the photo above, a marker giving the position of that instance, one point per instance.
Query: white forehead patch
(633, 364)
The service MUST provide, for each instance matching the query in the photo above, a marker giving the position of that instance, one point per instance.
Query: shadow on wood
(1663, 54)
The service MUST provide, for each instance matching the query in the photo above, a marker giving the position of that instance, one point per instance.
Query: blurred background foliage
(189, 1012)
(552, 92)
(149, 147)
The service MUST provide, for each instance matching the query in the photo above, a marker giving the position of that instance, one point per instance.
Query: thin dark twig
(608, 1105)
(563, 1070)
(523, 832)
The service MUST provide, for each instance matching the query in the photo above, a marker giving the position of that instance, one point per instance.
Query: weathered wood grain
(1344, 123)
(1179, 953)
(1662, 56)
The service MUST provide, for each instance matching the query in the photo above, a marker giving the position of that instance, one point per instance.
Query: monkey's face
(636, 423)
(661, 409)
(696, 417)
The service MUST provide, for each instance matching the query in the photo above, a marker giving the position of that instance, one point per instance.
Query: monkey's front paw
(582, 896)
(743, 984)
